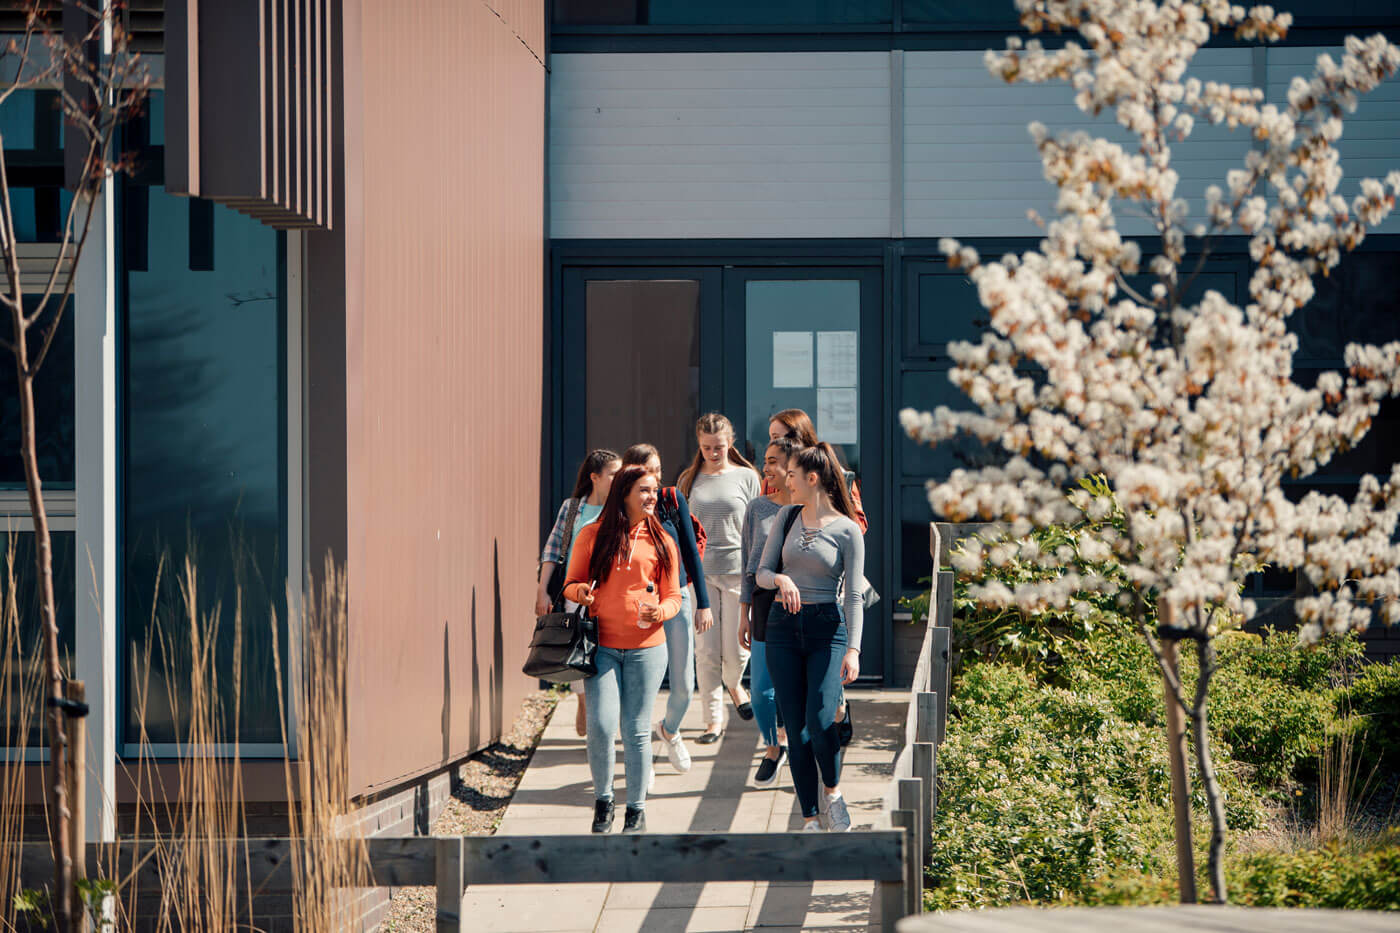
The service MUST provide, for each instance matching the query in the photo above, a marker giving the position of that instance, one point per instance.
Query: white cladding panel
(1370, 143)
(702, 145)
(720, 145)
(971, 169)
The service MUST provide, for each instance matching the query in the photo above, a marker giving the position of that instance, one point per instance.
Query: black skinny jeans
(804, 652)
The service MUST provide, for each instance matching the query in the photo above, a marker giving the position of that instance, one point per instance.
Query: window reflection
(205, 454)
(22, 707)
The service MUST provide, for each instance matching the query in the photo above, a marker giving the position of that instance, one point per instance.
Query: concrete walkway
(717, 794)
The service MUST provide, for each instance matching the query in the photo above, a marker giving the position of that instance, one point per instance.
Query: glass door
(811, 338)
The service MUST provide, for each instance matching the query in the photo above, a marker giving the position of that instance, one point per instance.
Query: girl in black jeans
(811, 652)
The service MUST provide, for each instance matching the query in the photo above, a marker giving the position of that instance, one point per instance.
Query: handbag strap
(787, 530)
(574, 506)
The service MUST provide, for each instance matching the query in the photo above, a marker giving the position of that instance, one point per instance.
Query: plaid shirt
(555, 545)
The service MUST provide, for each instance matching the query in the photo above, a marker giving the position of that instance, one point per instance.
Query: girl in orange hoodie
(627, 569)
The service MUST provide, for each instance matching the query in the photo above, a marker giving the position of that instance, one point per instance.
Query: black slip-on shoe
(634, 821)
(603, 816)
(707, 738)
(768, 768)
(745, 711)
(846, 729)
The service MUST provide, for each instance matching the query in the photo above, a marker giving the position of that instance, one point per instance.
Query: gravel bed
(489, 779)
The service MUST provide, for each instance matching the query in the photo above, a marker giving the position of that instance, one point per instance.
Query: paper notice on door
(837, 421)
(837, 358)
(792, 359)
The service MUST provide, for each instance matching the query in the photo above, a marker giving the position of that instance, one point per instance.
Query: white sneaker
(675, 749)
(838, 818)
(651, 781)
(815, 826)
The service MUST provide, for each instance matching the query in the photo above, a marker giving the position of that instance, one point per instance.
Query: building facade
(307, 328)
(746, 198)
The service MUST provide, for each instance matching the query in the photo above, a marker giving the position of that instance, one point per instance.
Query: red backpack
(673, 508)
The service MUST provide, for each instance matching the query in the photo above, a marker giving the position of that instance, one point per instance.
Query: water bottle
(651, 589)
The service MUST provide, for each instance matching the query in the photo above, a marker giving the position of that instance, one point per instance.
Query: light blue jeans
(762, 696)
(620, 698)
(680, 662)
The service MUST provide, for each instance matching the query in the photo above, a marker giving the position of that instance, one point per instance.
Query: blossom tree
(1189, 408)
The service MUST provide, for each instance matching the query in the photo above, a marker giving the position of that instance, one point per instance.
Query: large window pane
(720, 12)
(961, 12)
(204, 402)
(53, 407)
(643, 367)
(803, 343)
(27, 658)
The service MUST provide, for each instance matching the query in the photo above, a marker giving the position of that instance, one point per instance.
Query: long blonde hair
(712, 423)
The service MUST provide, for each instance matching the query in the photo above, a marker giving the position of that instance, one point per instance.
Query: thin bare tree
(85, 60)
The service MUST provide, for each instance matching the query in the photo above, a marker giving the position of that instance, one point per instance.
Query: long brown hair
(595, 462)
(821, 460)
(798, 424)
(639, 454)
(712, 423)
(613, 527)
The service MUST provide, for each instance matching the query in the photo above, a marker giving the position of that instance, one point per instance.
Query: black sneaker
(634, 820)
(768, 768)
(602, 816)
(845, 729)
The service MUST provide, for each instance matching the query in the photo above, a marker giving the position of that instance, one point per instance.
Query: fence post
(910, 802)
(924, 772)
(76, 781)
(939, 644)
(451, 882)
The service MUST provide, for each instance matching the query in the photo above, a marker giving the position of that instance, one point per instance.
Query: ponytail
(712, 423)
(821, 459)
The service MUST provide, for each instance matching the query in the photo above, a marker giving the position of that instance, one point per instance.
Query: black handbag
(564, 647)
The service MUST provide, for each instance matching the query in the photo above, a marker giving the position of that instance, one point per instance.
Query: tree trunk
(1205, 653)
(43, 561)
(1181, 783)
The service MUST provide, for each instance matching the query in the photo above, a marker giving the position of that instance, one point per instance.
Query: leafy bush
(1372, 703)
(1326, 877)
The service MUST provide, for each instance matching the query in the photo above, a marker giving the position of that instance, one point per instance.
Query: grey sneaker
(838, 818)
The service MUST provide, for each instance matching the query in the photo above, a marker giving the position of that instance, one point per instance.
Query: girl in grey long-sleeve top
(811, 650)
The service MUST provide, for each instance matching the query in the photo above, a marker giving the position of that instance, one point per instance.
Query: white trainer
(838, 818)
(675, 748)
(815, 826)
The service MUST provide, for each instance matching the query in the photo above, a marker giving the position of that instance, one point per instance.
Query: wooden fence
(911, 800)
(891, 855)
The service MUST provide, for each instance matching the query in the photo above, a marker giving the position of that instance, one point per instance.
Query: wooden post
(913, 872)
(1181, 790)
(911, 799)
(451, 882)
(76, 779)
(941, 644)
(926, 716)
(924, 771)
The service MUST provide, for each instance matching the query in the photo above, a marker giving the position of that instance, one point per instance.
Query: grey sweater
(719, 500)
(817, 560)
(758, 522)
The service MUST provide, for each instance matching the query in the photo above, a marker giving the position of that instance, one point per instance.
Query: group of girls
(633, 553)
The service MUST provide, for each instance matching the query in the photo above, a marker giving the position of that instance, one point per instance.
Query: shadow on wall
(496, 674)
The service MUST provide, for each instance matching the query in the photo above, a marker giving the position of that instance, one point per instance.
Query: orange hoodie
(615, 600)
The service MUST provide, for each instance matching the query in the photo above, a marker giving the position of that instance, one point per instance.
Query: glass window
(949, 309)
(643, 372)
(204, 399)
(720, 12)
(26, 591)
(53, 408)
(914, 516)
(925, 390)
(1358, 303)
(802, 344)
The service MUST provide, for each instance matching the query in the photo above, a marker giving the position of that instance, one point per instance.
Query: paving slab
(555, 797)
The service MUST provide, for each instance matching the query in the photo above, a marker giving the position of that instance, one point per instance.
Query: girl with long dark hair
(814, 553)
(626, 568)
(720, 483)
(758, 523)
(674, 513)
(595, 476)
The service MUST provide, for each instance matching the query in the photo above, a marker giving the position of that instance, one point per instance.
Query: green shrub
(1267, 723)
(1326, 877)
(1371, 703)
